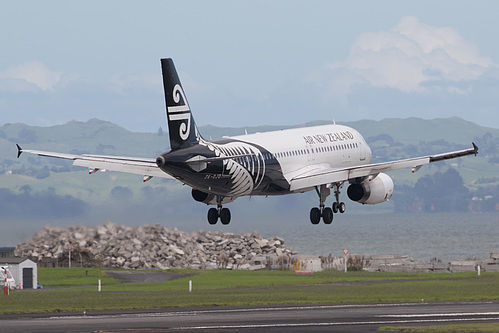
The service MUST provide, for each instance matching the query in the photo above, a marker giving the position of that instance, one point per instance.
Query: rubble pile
(150, 247)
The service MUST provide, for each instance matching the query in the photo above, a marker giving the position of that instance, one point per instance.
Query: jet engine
(209, 198)
(372, 191)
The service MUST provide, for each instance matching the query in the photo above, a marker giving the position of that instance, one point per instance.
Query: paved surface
(292, 318)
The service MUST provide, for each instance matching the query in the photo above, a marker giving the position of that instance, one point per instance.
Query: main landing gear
(323, 212)
(215, 213)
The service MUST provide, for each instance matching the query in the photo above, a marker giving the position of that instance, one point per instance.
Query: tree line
(445, 192)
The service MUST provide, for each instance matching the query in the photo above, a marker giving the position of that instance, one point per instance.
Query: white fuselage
(303, 150)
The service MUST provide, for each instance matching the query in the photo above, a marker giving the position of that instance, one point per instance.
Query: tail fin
(181, 125)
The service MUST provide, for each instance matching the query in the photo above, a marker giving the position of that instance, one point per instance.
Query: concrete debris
(390, 263)
(151, 247)
(159, 247)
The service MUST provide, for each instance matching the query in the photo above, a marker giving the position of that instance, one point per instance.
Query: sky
(249, 63)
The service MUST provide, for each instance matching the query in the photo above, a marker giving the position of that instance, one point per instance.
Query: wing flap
(134, 165)
(331, 176)
(138, 168)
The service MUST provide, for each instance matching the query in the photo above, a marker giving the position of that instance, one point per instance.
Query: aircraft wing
(142, 166)
(332, 176)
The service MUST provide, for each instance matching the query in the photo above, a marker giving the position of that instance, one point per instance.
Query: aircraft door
(310, 154)
(363, 154)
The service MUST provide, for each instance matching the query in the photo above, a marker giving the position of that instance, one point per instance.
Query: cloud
(410, 57)
(123, 83)
(34, 73)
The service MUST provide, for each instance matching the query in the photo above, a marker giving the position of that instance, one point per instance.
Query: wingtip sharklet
(19, 150)
(475, 148)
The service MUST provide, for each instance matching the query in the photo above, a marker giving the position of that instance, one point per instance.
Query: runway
(282, 318)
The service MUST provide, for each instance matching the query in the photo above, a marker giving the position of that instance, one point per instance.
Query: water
(451, 236)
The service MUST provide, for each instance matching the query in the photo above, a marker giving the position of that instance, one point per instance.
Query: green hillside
(409, 130)
(93, 136)
(388, 138)
(97, 136)
(415, 130)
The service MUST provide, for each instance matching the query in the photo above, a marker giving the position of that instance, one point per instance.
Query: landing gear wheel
(327, 215)
(212, 216)
(342, 207)
(225, 216)
(335, 207)
(315, 215)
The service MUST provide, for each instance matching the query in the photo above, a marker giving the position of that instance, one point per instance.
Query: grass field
(221, 287)
(76, 276)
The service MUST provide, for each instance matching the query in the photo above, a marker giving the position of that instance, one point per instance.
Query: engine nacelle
(372, 192)
(209, 198)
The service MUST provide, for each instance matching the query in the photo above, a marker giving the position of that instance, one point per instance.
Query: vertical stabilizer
(181, 125)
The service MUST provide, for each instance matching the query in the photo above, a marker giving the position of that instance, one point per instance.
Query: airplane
(321, 158)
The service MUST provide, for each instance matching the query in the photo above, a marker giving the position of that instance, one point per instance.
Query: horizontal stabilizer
(200, 159)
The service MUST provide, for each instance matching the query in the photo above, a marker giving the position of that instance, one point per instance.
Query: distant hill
(414, 130)
(409, 130)
(94, 134)
(388, 138)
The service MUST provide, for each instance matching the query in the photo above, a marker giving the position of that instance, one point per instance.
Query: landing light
(416, 168)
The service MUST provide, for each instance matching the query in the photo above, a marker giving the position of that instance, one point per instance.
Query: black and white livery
(320, 158)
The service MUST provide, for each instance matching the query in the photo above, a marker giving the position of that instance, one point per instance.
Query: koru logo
(180, 112)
